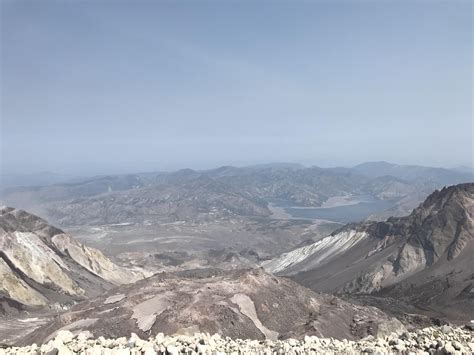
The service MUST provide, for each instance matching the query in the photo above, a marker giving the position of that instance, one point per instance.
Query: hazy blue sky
(106, 86)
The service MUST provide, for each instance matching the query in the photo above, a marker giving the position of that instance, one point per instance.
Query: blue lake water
(343, 214)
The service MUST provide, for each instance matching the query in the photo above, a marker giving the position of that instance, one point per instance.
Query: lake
(360, 208)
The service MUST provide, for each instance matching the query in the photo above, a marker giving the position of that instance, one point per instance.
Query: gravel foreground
(433, 340)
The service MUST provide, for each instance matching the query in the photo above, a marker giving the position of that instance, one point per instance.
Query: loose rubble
(433, 340)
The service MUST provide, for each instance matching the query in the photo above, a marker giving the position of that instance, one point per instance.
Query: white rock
(449, 349)
(203, 349)
(84, 335)
(64, 336)
(172, 350)
(149, 350)
(160, 337)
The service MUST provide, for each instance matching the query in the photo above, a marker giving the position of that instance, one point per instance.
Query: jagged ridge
(40, 264)
(433, 243)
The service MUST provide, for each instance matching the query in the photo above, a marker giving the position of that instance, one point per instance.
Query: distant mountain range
(36, 179)
(411, 173)
(226, 192)
(424, 259)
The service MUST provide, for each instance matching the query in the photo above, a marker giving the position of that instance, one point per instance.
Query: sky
(93, 87)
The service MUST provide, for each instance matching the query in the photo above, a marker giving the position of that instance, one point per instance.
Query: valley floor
(184, 245)
(13, 328)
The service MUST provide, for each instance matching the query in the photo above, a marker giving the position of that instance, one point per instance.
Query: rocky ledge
(433, 340)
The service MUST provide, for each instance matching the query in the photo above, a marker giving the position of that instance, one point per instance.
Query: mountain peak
(449, 193)
(426, 255)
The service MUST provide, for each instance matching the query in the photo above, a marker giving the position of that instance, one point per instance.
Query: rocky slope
(425, 258)
(239, 304)
(41, 265)
(434, 340)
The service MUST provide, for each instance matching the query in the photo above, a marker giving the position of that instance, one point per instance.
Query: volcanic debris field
(432, 340)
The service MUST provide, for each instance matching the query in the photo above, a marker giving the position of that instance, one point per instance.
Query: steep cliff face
(93, 260)
(434, 235)
(40, 264)
(443, 224)
(434, 244)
